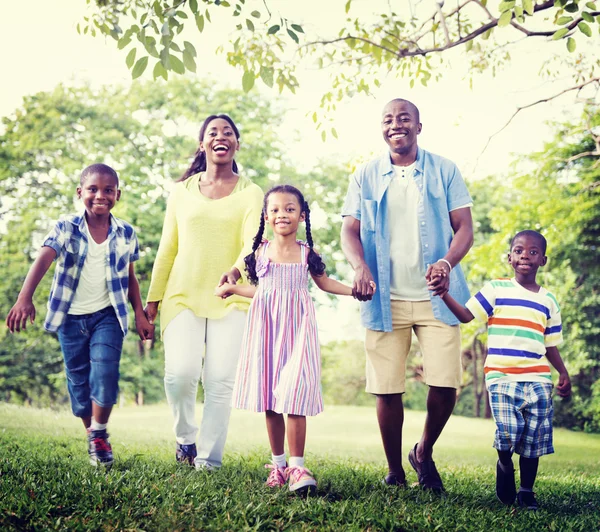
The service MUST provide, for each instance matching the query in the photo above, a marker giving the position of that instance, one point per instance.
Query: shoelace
(277, 477)
(296, 472)
(100, 444)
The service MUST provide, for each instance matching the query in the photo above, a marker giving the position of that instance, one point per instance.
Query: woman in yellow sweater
(209, 225)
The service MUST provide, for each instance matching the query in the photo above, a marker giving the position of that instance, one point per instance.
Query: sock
(98, 426)
(279, 460)
(296, 461)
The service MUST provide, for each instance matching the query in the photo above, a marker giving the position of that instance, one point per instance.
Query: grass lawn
(46, 482)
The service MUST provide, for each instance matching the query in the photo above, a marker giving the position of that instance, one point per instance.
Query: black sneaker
(185, 454)
(505, 484)
(394, 480)
(427, 473)
(99, 449)
(527, 500)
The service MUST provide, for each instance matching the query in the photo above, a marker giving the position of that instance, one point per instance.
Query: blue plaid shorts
(523, 414)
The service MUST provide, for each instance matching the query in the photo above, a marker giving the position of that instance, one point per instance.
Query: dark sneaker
(428, 475)
(99, 448)
(394, 480)
(527, 500)
(505, 484)
(185, 454)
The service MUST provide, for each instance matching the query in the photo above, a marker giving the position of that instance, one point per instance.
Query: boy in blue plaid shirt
(88, 305)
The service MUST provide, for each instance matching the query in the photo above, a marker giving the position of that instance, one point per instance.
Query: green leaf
(255, 14)
(266, 74)
(247, 80)
(200, 22)
(129, 60)
(165, 30)
(293, 36)
(123, 42)
(139, 67)
(176, 64)
(528, 6)
(585, 29)
(194, 6)
(506, 6)
(249, 24)
(572, 8)
(188, 61)
(207, 13)
(334, 132)
(587, 17)
(347, 7)
(505, 19)
(160, 71)
(189, 47)
(323, 135)
(314, 117)
(563, 20)
(591, 5)
(571, 44)
(559, 34)
(297, 28)
(273, 29)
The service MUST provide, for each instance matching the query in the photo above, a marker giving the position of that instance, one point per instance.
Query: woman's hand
(230, 277)
(151, 310)
(224, 290)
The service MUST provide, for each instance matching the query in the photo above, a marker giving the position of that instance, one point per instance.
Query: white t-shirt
(92, 291)
(406, 259)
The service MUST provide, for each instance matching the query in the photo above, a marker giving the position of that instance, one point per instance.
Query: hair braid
(250, 259)
(316, 266)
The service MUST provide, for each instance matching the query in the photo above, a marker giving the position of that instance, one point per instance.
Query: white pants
(185, 339)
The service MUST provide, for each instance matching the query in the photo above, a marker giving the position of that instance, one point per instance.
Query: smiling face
(219, 142)
(283, 213)
(400, 126)
(527, 255)
(99, 193)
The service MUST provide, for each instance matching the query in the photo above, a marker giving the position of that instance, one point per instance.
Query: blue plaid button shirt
(69, 240)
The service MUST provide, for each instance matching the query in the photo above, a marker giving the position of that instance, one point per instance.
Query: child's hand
(144, 328)
(224, 290)
(563, 388)
(438, 278)
(18, 315)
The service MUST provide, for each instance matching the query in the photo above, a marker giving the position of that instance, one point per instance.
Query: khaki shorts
(387, 352)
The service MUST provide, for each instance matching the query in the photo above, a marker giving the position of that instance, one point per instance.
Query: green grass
(46, 482)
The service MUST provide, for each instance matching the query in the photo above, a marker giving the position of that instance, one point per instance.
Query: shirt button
(426, 245)
(422, 223)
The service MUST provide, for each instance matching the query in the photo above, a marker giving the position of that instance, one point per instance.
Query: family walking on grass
(236, 310)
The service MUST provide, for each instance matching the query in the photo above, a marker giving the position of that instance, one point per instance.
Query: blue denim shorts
(91, 345)
(523, 414)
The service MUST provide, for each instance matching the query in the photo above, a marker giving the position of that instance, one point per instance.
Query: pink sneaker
(277, 477)
(301, 480)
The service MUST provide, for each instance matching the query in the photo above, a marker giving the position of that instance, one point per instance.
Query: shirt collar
(116, 225)
(385, 162)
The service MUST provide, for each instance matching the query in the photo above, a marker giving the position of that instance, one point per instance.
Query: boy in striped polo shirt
(524, 330)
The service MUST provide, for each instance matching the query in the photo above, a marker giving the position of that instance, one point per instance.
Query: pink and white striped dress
(280, 361)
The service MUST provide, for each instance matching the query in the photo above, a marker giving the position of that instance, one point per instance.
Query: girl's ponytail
(250, 259)
(316, 266)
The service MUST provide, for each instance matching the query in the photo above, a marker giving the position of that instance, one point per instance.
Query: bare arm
(563, 388)
(144, 328)
(327, 284)
(227, 288)
(463, 314)
(353, 249)
(24, 309)
(437, 275)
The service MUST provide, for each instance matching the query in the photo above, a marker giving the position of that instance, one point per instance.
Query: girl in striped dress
(279, 369)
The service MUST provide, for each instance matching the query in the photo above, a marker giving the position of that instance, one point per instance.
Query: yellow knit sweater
(201, 239)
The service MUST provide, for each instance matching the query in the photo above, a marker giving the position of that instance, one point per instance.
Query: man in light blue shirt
(407, 225)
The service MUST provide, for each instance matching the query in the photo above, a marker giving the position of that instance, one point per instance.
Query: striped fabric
(69, 240)
(521, 325)
(280, 361)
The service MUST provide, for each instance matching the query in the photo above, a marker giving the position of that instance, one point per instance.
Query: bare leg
(390, 415)
(296, 434)
(276, 431)
(440, 403)
(101, 413)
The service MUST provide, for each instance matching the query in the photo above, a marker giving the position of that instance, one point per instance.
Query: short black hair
(402, 100)
(98, 168)
(534, 234)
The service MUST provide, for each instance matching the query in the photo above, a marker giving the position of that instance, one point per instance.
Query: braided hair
(199, 161)
(316, 266)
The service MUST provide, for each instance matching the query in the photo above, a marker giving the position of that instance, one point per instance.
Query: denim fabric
(91, 346)
(443, 190)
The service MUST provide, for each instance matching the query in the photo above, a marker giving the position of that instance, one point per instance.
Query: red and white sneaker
(301, 480)
(277, 476)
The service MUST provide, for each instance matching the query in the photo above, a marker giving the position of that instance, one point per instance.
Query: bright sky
(42, 48)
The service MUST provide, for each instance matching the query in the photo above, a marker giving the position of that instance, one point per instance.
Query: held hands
(563, 388)
(143, 325)
(231, 277)
(224, 290)
(438, 278)
(18, 315)
(151, 311)
(363, 287)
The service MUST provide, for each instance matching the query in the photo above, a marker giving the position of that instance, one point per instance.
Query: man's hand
(563, 388)
(363, 287)
(143, 326)
(151, 311)
(438, 278)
